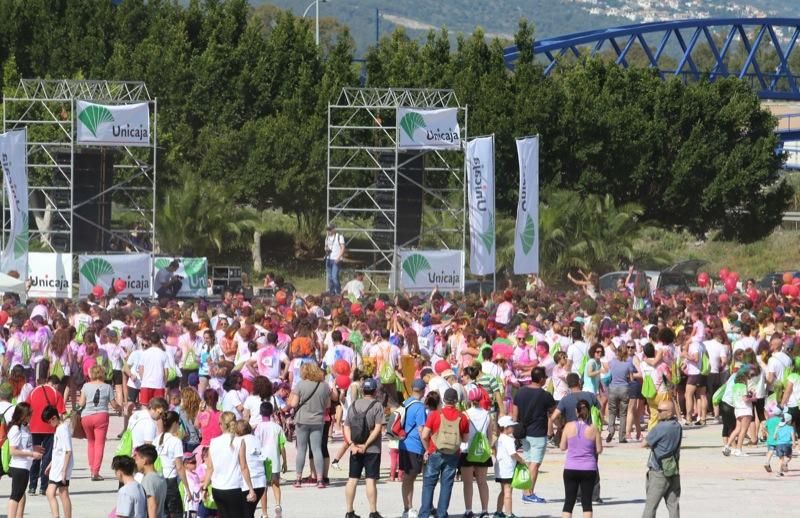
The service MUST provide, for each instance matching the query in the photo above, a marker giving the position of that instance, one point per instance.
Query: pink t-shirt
(209, 426)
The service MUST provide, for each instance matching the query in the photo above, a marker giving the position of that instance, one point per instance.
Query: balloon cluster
(791, 285)
(119, 286)
(729, 280)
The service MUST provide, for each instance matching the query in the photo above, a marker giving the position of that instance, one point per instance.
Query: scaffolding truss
(367, 171)
(47, 108)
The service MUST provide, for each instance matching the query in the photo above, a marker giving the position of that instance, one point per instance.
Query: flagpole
(494, 222)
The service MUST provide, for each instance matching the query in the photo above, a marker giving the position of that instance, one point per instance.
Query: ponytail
(227, 421)
(584, 412)
(168, 419)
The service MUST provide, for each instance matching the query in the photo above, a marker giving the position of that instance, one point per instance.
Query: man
(142, 423)
(777, 364)
(131, 500)
(746, 341)
(578, 350)
(338, 351)
(382, 352)
(166, 283)
(717, 360)
(355, 287)
(334, 253)
(153, 484)
(411, 449)
(42, 433)
(663, 478)
(442, 436)
(362, 429)
(531, 408)
(153, 373)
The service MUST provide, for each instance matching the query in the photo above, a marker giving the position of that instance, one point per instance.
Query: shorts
(63, 483)
(503, 480)
(146, 394)
(759, 407)
(116, 378)
(368, 463)
(411, 463)
(19, 482)
(533, 449)
(771, 447)
(464, 463)
(133, 395)
(698, 380)
(783, 450)
(635, 390)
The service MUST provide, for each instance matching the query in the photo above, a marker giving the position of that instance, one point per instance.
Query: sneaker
(623, 440)
(376, 514)
(780, 474)
(412, 513)
(533, 499)
(298, 483)
(469, 514)
(278, 511)
(767, 468)
(42, 492)
(322, 485)
(97, 478)
(335, 465)
(726, 451)
(699, 423)
(351, 514)
(597, 501)
(32, 491)
(499, 514)
(485, 514)
(739, 453)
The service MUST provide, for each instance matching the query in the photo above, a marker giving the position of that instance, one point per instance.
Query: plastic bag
(522, 478)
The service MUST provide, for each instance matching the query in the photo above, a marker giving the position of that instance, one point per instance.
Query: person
(207, 420)
(622, 371)
(411, 449)
(742, 403)
(480, 421)
(355, 287)
(169, 448)
(62, 461)
(23, 453)
(94, 400)
(362, 430)
(153, 365)
(784, 438)
(250, 450)
(273, 445)
(166, 283)
(46, 394)
(717, 360)
(532, 407)
(142, 423)
(154, 485)
(131, 500)
(583, 443)
(226, 471)
(507, 460)
(310, 399)
(334, 253)
(663, 476)
(442, 436)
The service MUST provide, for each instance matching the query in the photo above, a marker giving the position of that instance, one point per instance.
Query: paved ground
(713, 486)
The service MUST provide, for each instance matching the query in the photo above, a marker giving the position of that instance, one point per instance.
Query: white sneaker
(278, 511)
(412, 513)
(739, 453)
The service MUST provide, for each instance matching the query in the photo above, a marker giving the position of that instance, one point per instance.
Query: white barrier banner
(103, 270)
(194, 271)
(423, 270)
(13, 158)
(113, 124)
(526, 236)
(480, 179)
(50, 275)
(428, 129)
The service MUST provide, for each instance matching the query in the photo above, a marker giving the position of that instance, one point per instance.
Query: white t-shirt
(62, 443)
(335, 244)
(577, 351)
(268, 362)
(253, 405)
(338, 352)
(230, 401)
(746, 342)
(504, 311)
(168, 451)
(693, 367)
(504, 462)
(438, 384)
(270, 435)
(478, 422)
(153, 360)
(21, 439)
(385, 351)
(255, 461)
(143, 428)
(715, 351)
(227, 473)
(355, 287)
(134, 361)
(777, 364)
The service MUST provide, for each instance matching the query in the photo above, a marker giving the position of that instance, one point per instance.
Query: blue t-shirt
(784, 435)
(414, 422)
(620, 372)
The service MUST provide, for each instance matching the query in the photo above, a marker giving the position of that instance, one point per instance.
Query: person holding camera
(167, 284)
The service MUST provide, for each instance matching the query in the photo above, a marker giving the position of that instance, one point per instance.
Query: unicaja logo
(93, 116)
(410, 122)
(414, 264)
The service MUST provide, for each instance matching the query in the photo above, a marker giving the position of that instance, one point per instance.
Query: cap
(369, 385)
(441, 366)
(6, 391)
(447, 373)
(450, 396)
(418, 385)
(505, 421)
(189, 457)
(193, 380)
(474, 394)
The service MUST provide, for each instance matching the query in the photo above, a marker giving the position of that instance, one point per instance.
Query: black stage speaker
(93, 174)
(410, 178)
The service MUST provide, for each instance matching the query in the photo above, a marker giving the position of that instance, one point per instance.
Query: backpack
(648, 387)
(705, 365)
(479, 449)
(359, 428)
(190, 362)
(5, 447)
(387, 374)
(396, 428)
(448, 438)
(582, 365)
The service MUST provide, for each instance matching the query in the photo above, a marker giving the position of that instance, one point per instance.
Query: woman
(479, 421)
(636, 400)
(23, 454)
(262, 391)
(96, 395)
(170, 451)
(232, 401)
(583, 444)
(207, 421)
(60, 357)
(559, 378)
(190, 345)
(310, 398)
(116, 358)
(742, 402)
(206, 359)
(227, 471)
(250, 449)
(657, 369)
(594, 367)
(188, 410)
(622, 370)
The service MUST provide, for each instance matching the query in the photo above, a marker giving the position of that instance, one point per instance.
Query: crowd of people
(459, 388)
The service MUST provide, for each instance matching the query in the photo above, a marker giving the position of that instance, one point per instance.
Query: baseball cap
(370, 385)
(450, 396)
(441, 366)
(505, 421)
(418, 385)
(447, 373)
(474, 394)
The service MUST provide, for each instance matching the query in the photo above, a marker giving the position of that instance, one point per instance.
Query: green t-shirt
(772, 425)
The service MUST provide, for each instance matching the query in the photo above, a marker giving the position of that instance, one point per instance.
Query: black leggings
(795, 413)
(728, 418)
(573, 478)
(250, 507)
(230, 502)
(173, 504)
(19, 481)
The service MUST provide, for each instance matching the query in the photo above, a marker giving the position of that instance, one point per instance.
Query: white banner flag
(428, 129)
(194, 271)
(423, 270)
(13, 156)
(113, 124)
(50, 275)
(103, 270)
(480, 179)
(526, 237)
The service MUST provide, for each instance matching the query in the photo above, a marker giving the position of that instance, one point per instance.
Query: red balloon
(341, 368)
(730, 285)
(98, 291)
(794, 291)
(796, 281)
(752, 294)
(734, 275)
(723, 298)
(785, 289)
(723, 273)
(3, 318)
(702, 279)
(120, 285)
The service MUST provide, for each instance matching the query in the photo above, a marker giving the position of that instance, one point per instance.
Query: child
(784, 438)
(394, 457)
(202, 459)
(273, 445)
(771, 425)
(505, 462)
(60, 468)
(192, 495)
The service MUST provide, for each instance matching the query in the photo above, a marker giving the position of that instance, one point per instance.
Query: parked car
(774, 277)
(678, 277)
